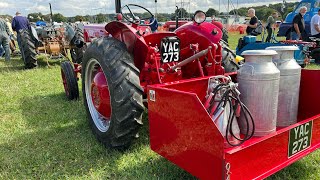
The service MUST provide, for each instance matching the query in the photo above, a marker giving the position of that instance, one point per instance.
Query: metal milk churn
(258, 80)
(290, 74)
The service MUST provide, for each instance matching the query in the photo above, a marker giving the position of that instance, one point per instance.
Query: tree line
(262, 12)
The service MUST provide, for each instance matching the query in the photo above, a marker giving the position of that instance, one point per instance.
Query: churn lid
(260, 52)
(283, 48)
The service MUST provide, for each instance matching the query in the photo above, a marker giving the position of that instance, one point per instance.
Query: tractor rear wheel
(112, 93)
(77, 50)
(28, 49)
(69, 80)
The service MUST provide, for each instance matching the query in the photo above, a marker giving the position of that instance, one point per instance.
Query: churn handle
(252, 68)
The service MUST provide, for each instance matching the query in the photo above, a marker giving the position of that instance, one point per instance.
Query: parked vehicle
(52, 39)
(308, 51)
(312, 8)
(172, 73)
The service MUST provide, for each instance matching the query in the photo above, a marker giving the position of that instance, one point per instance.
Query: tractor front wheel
(69, 80)
(112, 93)
(78, 46)
(228, 58)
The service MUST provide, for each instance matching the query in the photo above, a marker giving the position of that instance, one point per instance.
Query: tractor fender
(34, 33)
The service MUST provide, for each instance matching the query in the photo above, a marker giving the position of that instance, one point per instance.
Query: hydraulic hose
(229, 96)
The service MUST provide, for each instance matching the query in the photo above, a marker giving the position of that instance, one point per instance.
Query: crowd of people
(298, 29)
(7, 36)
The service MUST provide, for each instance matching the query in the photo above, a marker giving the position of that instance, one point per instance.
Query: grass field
(43, 136)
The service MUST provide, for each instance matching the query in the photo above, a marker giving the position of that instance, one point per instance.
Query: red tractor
(131, 66)
(117, 69)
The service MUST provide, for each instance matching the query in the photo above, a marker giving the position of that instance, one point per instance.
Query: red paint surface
(144, 47)
(171, 25)
(100, 95)
(193, 142)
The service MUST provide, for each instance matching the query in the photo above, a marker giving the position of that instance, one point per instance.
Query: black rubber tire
(228, 58)
(77, 52)
(225, 35)
(71, 87)
(288, 34)
(29, 50)
(302, 65)
(125, 92)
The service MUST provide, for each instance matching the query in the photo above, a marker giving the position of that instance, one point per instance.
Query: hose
(229, 96)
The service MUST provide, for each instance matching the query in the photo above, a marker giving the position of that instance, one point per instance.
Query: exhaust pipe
(51, 16)
(118, 5)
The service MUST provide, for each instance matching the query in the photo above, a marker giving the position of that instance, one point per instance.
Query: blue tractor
(306, 50)
(312, 8)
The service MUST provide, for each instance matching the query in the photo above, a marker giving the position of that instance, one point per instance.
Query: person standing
(18, 24)
(11, 36)
(4, 38)
(253, 23)
(315, 25)
(80, 25)
(298, 27)
(270, 25)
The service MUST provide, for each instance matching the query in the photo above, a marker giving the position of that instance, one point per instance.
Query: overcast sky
(83, 7)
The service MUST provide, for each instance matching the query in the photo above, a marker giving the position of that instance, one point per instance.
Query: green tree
(87, 18)
(59, 18)
(263, 13)
(182, 13)
(240, 11)
(161, 18)
(145, 15)
(212, 12)
(78, 18)
(46, 17)
(34, 17)
(101, 18)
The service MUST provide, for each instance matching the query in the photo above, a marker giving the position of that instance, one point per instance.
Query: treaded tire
(29, 49)
(77, 52)
(124, 88)
(228, 58)
(225, 35)
(69, 80)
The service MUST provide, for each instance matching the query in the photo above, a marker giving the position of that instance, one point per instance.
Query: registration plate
(170, 49)
(300, 138)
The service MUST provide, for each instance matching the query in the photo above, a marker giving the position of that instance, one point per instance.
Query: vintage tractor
(53, 40)
(286, 26)
(308, 51)
(169, 72)
(117, 69)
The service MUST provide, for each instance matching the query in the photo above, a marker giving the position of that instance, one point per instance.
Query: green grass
(43, 136)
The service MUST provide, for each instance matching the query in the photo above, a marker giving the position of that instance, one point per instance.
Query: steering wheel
(136, 20)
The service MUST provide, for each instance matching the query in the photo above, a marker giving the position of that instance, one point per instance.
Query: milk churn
(290, 73)
(258, 80)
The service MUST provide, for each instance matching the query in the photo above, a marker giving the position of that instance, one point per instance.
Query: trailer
(193, 142)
